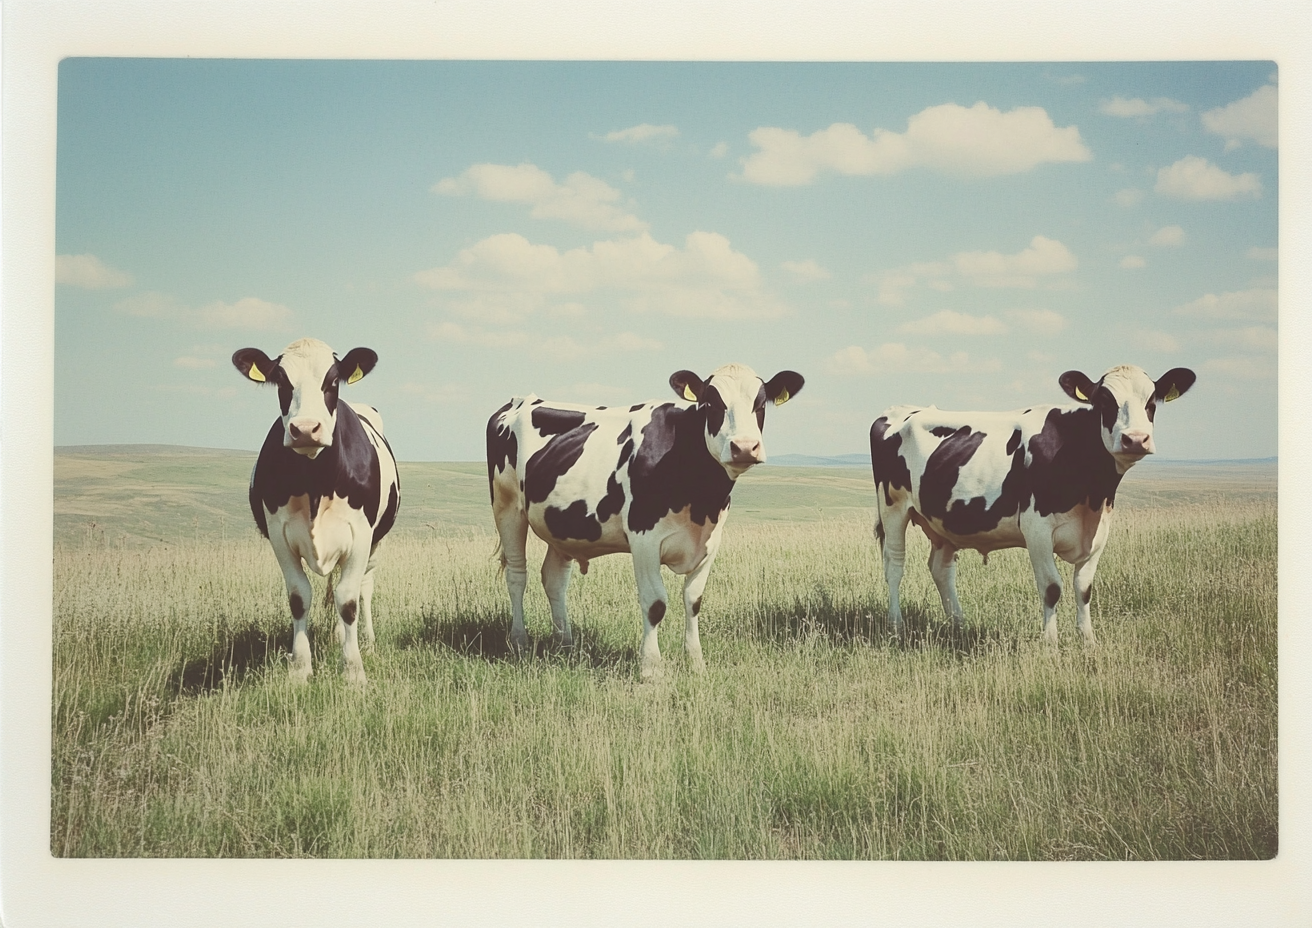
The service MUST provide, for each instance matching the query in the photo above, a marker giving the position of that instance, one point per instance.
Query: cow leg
(557, 568)
(891, 530)
(512, 526)
(366, 603)
(1048, 579)
(652, 601)
(347, 598)
(1084, 583)
(299, 596)
(693, 585)
(943, 568)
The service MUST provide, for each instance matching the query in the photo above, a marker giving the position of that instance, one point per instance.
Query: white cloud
(89, 272)
(1261, 254)
(1244, 368)
(505, 277)
(805, 271)
(1045, 257)
(720, 150)
(1252, 337)
(1119, 106)
(247, 313)
(949, 323)
(895, 357)
(1257, 305)
(1253, 117)
(1038, 321)
(1195, 178)
(1167, 236)
(645, 132)
(1133, 262)
(452, 332)
(445, 394)
(582, 199)
(970, 141)
(193, 364)
(1130, 196)
(150, 304)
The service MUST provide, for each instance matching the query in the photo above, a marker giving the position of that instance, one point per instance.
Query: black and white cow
(1043, 479)
(652, 479)
(324, 489)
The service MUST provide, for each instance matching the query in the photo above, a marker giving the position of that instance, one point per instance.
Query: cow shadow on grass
(867, 625)
(230, 660)
(486, 636)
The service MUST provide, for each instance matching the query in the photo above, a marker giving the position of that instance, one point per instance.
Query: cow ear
(253, 364)
(357, 363)
(1174, 383)
(783, 386)
(1077, 386)
(687, 385)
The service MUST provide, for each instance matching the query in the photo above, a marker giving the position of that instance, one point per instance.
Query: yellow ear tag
(356, 376)
(688, 394)
(1079, 395)
(254, 373)
(782, 397)
(1173, 395)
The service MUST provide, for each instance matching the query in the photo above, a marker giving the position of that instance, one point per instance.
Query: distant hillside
(812, 460)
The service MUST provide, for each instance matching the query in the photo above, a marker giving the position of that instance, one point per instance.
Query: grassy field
(812, 735)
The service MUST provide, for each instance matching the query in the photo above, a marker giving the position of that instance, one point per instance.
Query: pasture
(812, 735)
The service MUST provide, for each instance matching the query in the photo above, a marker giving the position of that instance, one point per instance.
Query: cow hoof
(355, 676)
(652, 672)
(695, 662)
(299, 675)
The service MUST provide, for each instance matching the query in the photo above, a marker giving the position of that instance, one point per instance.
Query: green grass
(812, 735)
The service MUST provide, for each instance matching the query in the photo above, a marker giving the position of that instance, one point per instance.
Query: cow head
(733, 401)
(1126, 398)
(308, 375)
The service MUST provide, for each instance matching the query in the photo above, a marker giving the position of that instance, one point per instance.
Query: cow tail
(879, 519)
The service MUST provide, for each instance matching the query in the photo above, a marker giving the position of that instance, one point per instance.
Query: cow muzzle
(1138, 443)
(746, 452)
(307, 433)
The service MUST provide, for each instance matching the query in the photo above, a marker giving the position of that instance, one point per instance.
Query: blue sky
(898, 233)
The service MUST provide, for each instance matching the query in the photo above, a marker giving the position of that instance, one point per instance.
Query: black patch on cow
(625, 435)
(572, 522)
(656, 612)
(636, 406)
(389, 514)
(279, 376)
(942, 431)
(625, 453)
(1069, 464)
(549, 421)
(348, 612)
(257, 505)
(612, 502)
(697, 606)
(502, 447)
(672, 469)
(298, 607)
(330, 386)
(1088, 594)
(942, 471)
(348, 468)
(1053, 594)
(535, 402)
(557, 456)
(758, 406)
(713, 408)
(600, 408)
(1151, 408)
(1106, 405)
(889, 467)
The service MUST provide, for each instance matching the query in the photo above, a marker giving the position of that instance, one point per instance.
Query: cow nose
(1137, 442)
(305, 429)
(746, 451)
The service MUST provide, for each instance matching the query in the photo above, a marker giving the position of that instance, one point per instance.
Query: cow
(324, 489)
(1043, 479)
(652, 479)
